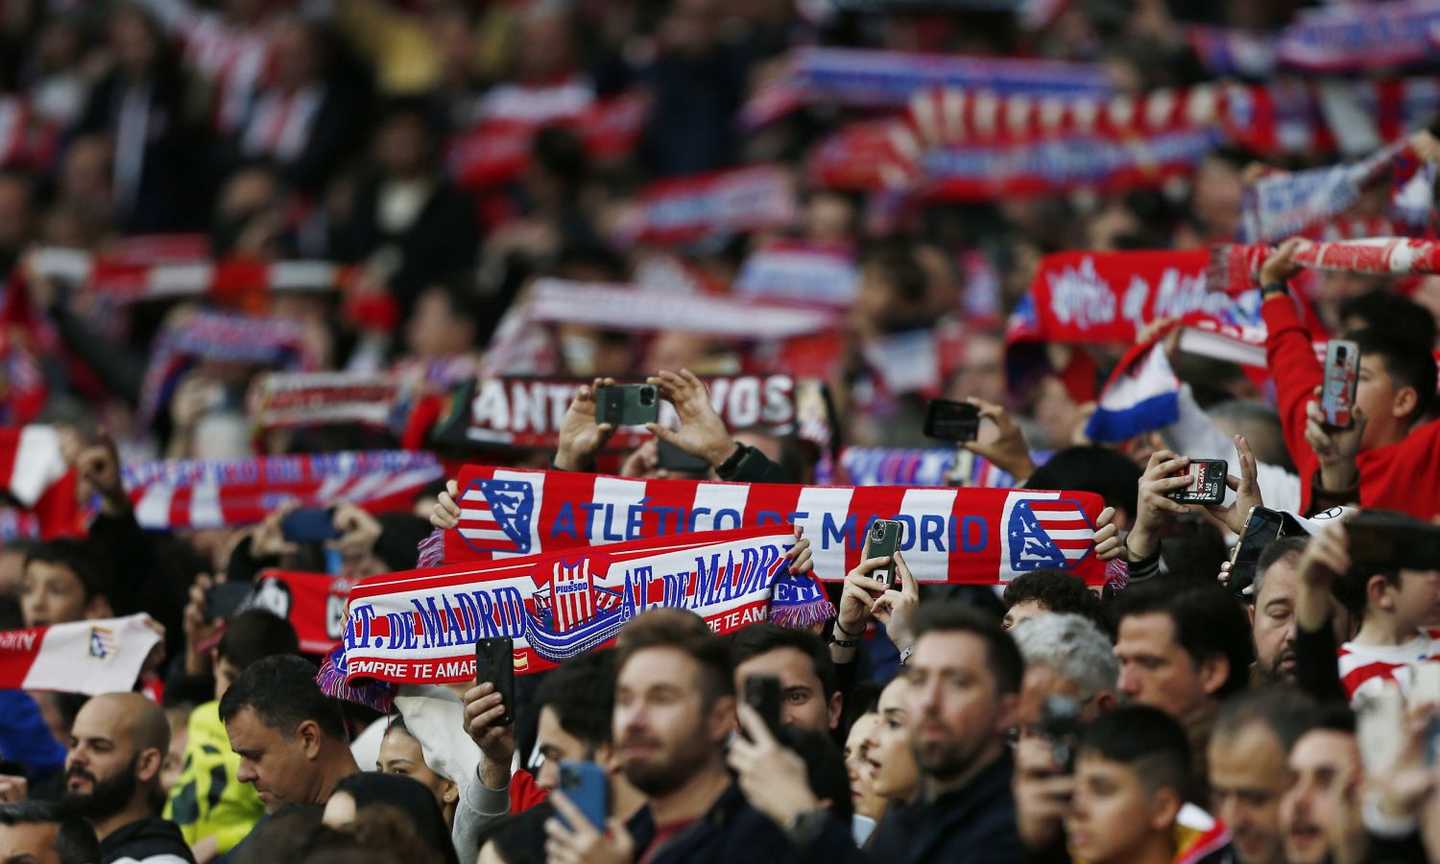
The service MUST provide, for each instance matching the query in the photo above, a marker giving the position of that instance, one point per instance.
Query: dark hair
(1208, 623)
(824, 768)
(1275, 551)
(560, 152)
(1286, 711)
(1004, 658)
(899, 267)
(581, 692)
(400, 535)
(1057, 591)
(77, 556)
(1408, 364)
(1091, 469)
(282, 692)
(766, 637)
(408, 796)
(75, 841)
(686, 632)
(1391, 313)
(1147, 740)
(254, 635)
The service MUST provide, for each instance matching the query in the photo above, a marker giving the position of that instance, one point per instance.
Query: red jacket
(1404, 476)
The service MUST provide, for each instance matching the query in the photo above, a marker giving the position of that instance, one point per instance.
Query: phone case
(762, 692)
(309, 525)
(1342, 376)
(584, 783)
(952, 421)
(1207, 483)
(627, 405)
(495, 662)
(882, 541)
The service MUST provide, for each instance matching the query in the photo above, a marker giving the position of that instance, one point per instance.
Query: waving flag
(36, 475)
(79, 657)
(1142, 395)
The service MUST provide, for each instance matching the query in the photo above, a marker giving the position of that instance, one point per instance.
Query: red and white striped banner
(34, 472)
(978, 536)
(185, 494)
(758, 198)
(288, 400)
(420, 626)
(127, 279)
(89, 657)
(799, 272)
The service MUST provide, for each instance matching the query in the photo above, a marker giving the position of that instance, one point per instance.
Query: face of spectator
(101, 767)
(33, 843)
(957, 716)
(982, 371)
(403, 146)
(829, 219)
(1115, 813)
(1040, 683)
(1156, 670)
(278, 765)
(803, 701)
(293, 53)
(1248, 776)
(556, 745)
(400, 753)
(1380, 398)
(1218, 194)
(1416, 600)
(434, 330)
(548, 51)
(1022, 611)
(225, 674)
(1324, 763)
(1273, 623)
(665, 732)
(51, 594)
(1056, 412)
(888, 749)
(132, 41)
(859, 768)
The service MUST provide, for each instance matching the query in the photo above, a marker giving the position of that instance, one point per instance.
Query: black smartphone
(1207, 482)
(1262, 527)
(672, 458)
(762, 692)
(224, 600)
(881, 542)
(1384, 540)
(309, 525)
(627, 404)
(587, 787)
(952, 421)
(1060, 723)
(495, 663)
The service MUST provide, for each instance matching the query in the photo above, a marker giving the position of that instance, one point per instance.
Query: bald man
(112, 778)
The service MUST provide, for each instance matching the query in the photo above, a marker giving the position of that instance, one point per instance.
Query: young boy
(1132, 767)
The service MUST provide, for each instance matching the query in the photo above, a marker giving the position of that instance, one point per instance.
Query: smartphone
(1060, 723)
(309, 525)
(585, 784)
(881, 542)
(1262, 527)
(224, 600)
(1207, 483)
(495, 663)
(1342, 375)
(627, 404)
(1383, 540)
(672, 458)
(952, 421)
(762, 692)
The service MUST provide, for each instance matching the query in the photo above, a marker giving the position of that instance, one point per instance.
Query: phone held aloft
(1207, 482)
(882, 541)
(495, 663)
(587, 787)
(1342, 376)
(762, 692)
(952, 421)
(627, 404)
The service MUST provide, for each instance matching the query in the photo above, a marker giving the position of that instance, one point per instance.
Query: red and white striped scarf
(90, 657)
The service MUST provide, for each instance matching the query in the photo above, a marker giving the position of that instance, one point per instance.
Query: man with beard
(1272, 620)
(964, 676)
(1249, 770)
(674, 711)
(112, 777)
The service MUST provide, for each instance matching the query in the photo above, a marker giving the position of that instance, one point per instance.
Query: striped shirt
(1366, 668)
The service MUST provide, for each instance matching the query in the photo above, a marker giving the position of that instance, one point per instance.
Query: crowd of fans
(443, 159)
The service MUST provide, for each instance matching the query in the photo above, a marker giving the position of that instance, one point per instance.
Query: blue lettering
(435, 635)
(830, 533)
(485, 609)
(635, 520)
(932, 529)
(797, 516)
(769, 517)
(695, 517)
(907, 532)
(607, 533)
(677, 587)
(733, 514)
(977, 528)
(590, 508)
(704, 580)
(564, 522)
(398, 627)
(512, 612)
(362, 615)
(471, 616)
(642, 575)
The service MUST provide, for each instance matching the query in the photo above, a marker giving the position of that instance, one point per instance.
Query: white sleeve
(477, 808)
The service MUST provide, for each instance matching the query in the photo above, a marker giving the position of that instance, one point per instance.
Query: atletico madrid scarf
(79, 657)
(977, 536)
(421, 626)
(683, 210)
(33, 472)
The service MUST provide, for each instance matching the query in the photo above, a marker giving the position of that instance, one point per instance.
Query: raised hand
(1335, 449)
(1008, 451)
(484, 708)
(702, 433)
(580, 436)
(896, 608)
(1246, 488)
(1154, 505)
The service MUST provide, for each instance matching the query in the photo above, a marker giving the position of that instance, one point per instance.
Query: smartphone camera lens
(647, 395)
(878, 532)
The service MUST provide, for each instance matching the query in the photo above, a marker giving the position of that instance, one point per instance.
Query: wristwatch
(1270, 289)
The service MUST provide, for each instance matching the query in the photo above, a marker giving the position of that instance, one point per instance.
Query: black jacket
(974, 824)
(732, 831)
(149, 841)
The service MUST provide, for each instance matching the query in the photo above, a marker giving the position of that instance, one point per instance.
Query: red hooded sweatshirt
(1404, 476)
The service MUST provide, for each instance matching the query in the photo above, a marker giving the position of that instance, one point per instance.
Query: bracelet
(852, 640)
(1270, 289)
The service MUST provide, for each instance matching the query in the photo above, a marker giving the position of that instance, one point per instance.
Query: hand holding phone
(1207, 483)
(627, 404)
(762, 692)
(309, 525)
(495, 663)
(1342, 376)
(881, 542)
(952, 421)
(587, 787)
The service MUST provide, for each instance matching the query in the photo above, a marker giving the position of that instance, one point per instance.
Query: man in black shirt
(112, 777)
